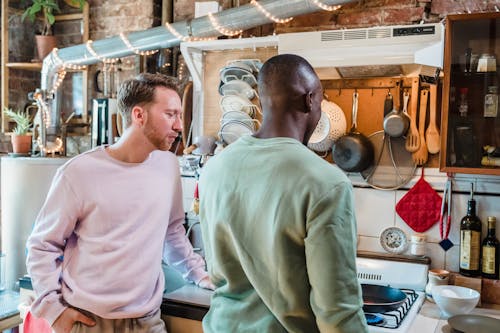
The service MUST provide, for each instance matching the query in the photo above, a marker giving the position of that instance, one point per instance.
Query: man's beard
(153, 137)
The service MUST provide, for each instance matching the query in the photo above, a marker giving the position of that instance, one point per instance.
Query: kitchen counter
(192, 302)
(189, 301)
(429, 318)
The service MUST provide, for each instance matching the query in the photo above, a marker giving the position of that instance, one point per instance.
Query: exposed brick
(444, 7)
(402, 16)
(370, 17)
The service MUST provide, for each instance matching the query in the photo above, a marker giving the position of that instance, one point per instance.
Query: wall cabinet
(470, 126)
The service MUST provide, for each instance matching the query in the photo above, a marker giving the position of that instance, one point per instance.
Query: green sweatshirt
(279, 233)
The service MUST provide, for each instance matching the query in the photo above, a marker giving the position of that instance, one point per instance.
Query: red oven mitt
(420, 207)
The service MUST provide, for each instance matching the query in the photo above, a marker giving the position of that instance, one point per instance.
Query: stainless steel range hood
(379, 51)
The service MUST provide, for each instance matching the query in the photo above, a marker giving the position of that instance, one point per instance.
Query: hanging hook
(373, 90)
(340, 91)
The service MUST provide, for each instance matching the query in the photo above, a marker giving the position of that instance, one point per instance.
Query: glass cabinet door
(470, 124)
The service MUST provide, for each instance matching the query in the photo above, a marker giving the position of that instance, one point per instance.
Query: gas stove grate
(393, 319)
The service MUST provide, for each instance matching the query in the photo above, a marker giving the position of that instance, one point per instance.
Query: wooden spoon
(421, 155)
(432, 133)
(412, 137)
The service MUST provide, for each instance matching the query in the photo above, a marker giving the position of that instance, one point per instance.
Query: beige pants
(149, 324)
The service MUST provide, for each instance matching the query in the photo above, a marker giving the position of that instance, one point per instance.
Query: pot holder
(421, 206)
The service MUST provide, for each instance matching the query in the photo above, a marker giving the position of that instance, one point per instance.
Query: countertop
(194, 302)
(429, 318)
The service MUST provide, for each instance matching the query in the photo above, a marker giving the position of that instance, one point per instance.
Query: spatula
(412, 137)
(421, 155)
(432, 137)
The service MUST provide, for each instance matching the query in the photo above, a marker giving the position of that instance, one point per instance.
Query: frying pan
(353, 152)
(380, 299)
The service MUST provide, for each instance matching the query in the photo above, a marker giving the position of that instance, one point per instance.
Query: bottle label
(489, 259)
(490, 105)
(469, 249)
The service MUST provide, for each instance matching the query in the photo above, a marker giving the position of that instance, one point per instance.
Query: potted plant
(21, 136)
(46, 40)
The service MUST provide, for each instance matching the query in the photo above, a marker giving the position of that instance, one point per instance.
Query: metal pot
(353, 152)
(380, 299)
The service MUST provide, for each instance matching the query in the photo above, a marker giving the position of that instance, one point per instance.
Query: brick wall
(111, 17)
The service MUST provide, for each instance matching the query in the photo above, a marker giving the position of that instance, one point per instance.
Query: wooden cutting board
(187, 114)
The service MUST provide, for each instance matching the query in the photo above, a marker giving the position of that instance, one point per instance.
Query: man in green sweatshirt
(278, 222)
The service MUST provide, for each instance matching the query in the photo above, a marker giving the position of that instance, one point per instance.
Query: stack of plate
(238, 80)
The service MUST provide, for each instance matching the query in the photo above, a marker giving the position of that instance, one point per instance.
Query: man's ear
(308, 102)
(138, 115)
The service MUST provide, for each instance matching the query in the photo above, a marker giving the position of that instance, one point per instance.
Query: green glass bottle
(470, 241)
(490, 249)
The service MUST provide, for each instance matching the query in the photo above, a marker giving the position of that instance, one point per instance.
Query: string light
(135, 49)
(182, 38)
(268, 14)
(65, 65)
(51, 147)
(221, 29)
(325, 7)
(180, 72)
(105, 60)
(60, 78)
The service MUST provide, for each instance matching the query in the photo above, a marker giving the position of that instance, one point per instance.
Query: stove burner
(373, 319)
(393, 319)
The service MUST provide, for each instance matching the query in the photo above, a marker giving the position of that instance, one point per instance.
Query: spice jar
(417, 246)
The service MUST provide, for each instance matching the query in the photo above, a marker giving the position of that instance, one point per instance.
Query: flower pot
(44, 45)
(21, 144)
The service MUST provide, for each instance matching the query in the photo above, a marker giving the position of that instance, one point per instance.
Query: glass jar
(417, 245)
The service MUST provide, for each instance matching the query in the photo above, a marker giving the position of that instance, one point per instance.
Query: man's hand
(64, 323)
(205, 283)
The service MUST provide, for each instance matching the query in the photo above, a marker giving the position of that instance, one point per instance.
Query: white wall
(375, 210)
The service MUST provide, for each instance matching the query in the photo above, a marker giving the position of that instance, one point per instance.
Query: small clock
(394, 240)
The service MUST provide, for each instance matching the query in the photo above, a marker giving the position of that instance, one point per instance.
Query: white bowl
(454, 300)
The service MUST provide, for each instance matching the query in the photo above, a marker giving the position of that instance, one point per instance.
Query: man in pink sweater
(110, 216)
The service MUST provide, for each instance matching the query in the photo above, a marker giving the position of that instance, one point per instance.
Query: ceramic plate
(394, 240)
(231, 103)
(238, 72)
(469, 323)
(239, 116)
(238, 87)
(233, 130)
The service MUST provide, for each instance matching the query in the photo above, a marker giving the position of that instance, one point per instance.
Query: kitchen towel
(420, 207)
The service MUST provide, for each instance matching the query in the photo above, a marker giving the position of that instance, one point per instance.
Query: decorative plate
(394, 240)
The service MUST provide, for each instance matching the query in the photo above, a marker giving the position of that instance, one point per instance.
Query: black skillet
(380, 299)
(353, 152)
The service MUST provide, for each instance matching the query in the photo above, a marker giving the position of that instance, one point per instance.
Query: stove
(409, 276)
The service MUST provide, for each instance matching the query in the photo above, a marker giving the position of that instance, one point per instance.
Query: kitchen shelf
(30, 66)
(82, 17)
(463, 139)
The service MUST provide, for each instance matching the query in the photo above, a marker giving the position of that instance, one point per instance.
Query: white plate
(231, 103)
(394, 240)
(238, 87)
(238, 71)
(233, 130)
(239, 116)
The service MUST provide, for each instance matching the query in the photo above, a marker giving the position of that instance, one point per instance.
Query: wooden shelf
(69, 17)
(29, 66)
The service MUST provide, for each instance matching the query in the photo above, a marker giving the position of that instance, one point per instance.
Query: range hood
(404, 50)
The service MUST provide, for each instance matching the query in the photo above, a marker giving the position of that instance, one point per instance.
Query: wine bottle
(490, 252)
(470, 240)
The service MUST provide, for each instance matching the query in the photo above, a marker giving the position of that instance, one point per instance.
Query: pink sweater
(111, 221)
